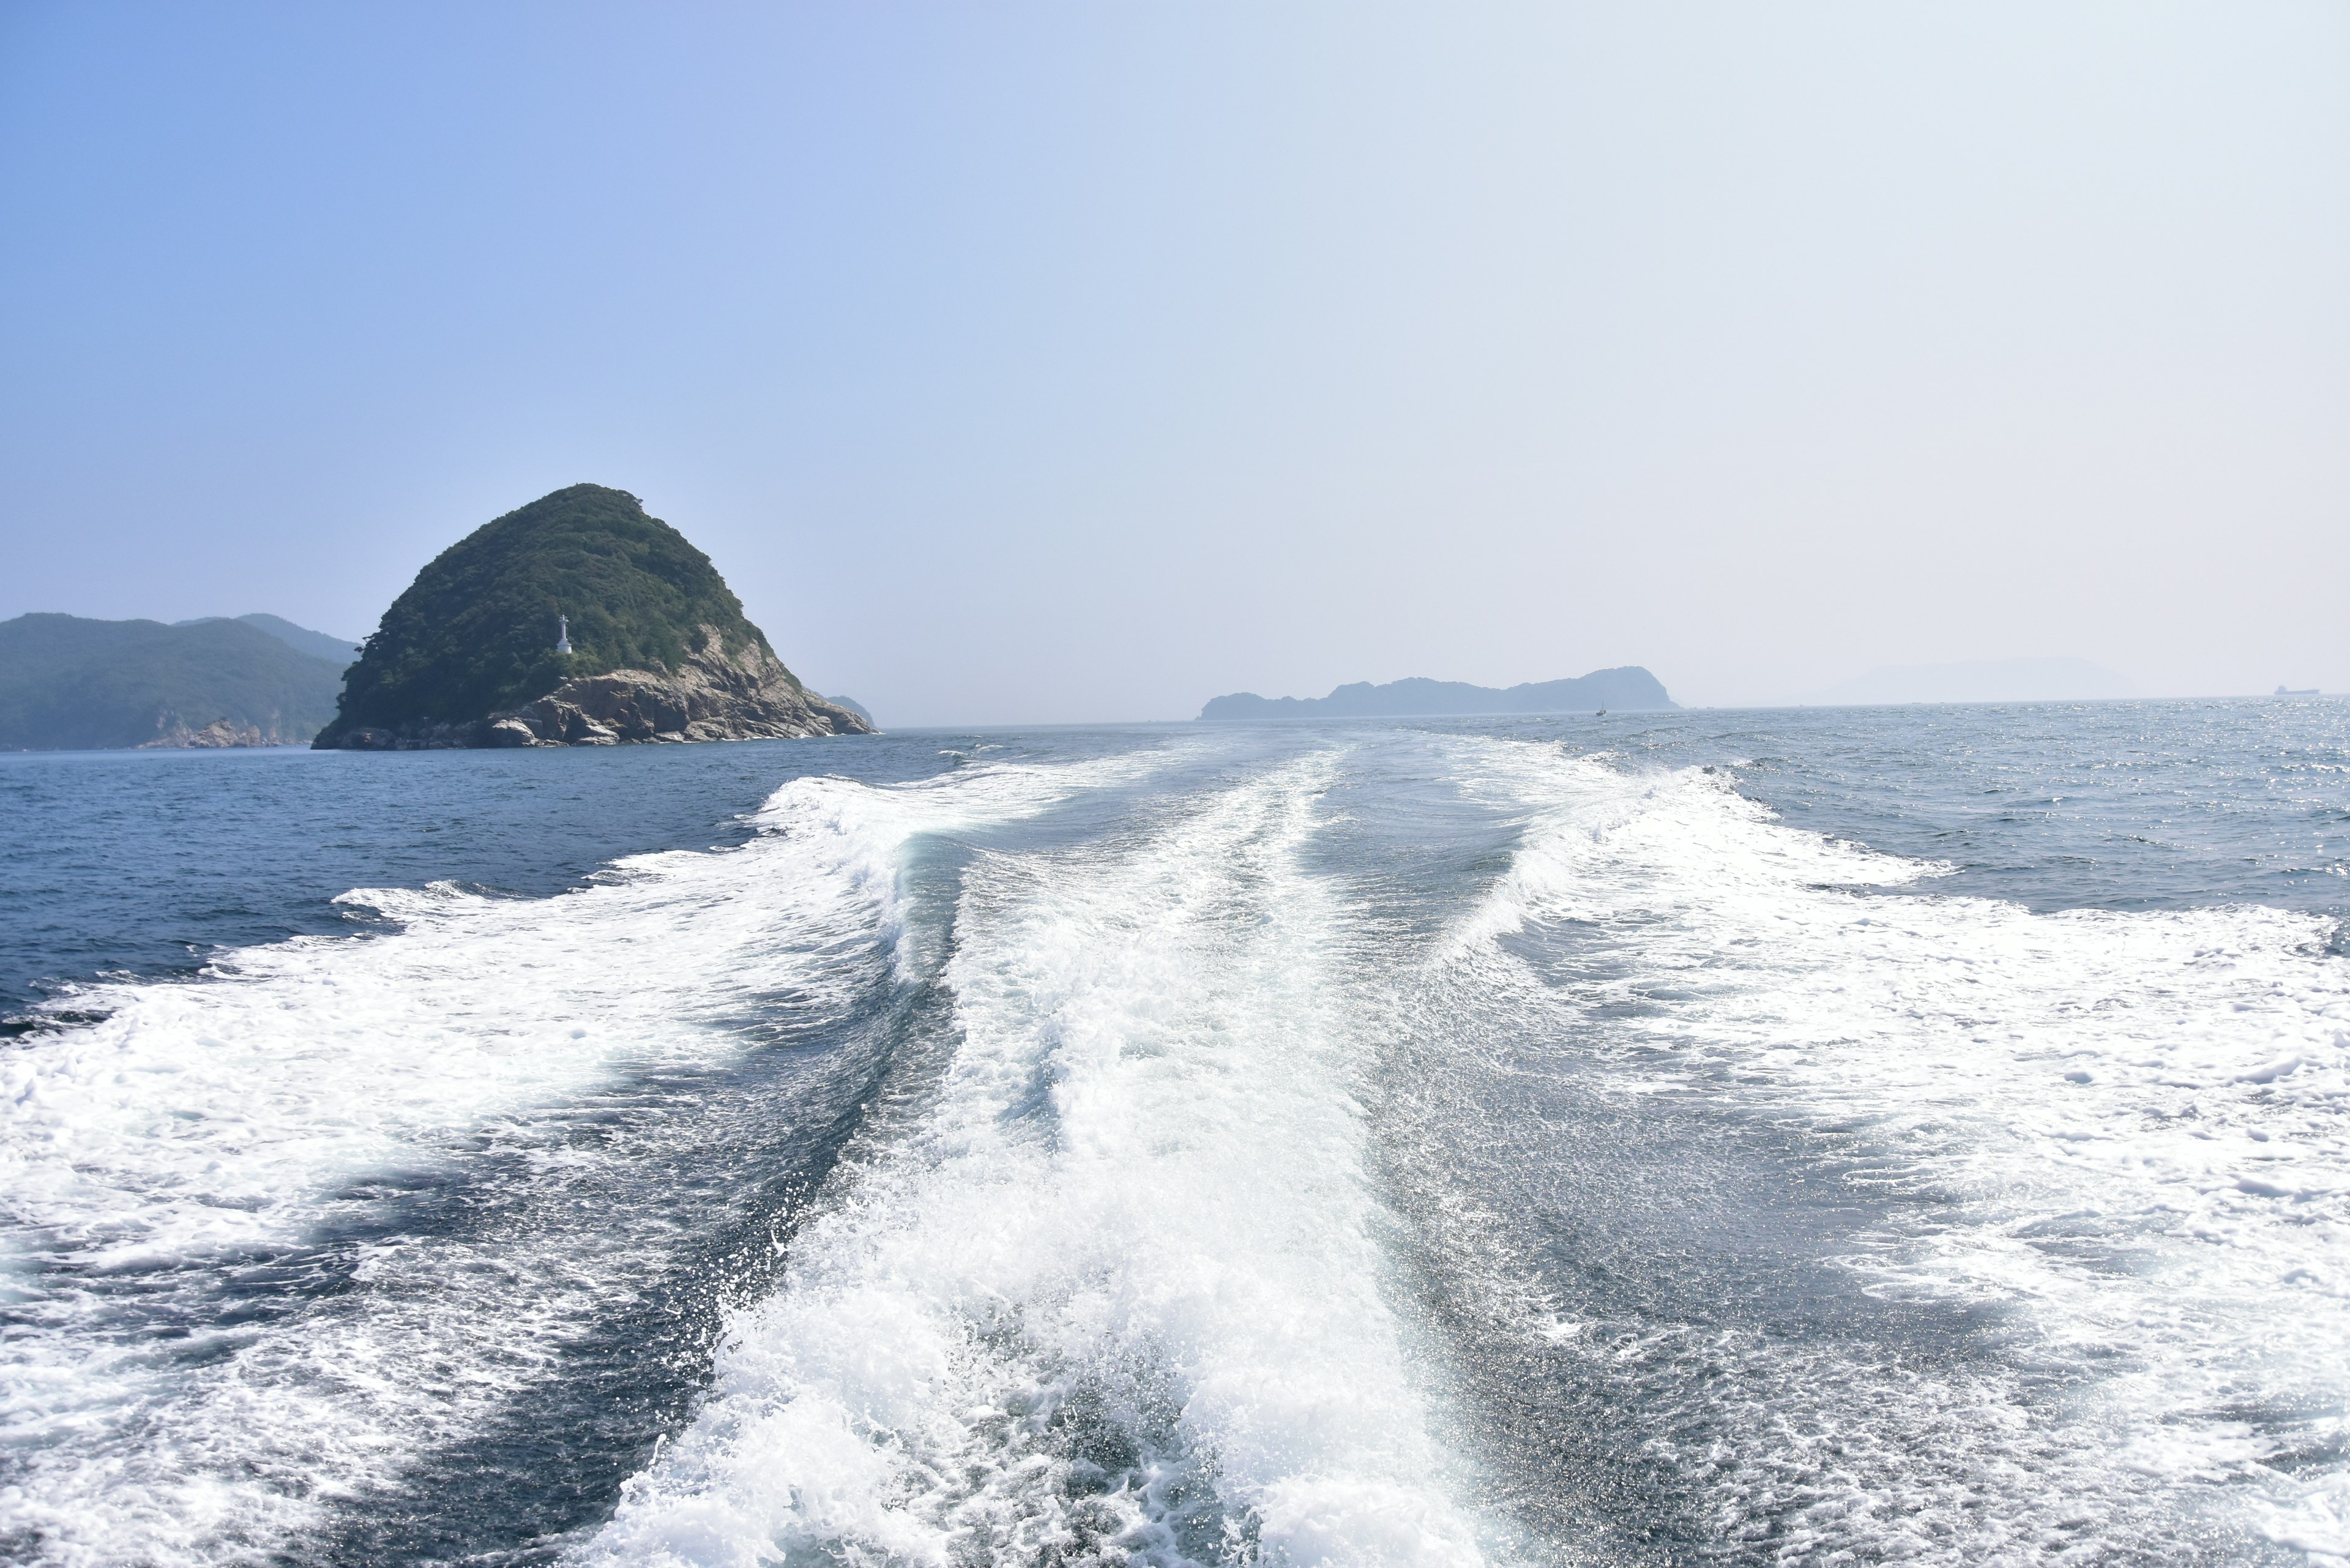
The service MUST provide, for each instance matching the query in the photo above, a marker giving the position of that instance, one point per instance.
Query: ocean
(1802, 1136)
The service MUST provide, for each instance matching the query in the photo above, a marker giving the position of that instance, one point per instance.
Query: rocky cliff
(660, 650)
(712, 695)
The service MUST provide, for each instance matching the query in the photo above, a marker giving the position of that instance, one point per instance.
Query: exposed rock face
(715, 695)
(173, 733)
(473, 652)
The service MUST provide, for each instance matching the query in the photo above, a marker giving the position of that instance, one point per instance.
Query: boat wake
(1119, 1296)
(1363, 1148)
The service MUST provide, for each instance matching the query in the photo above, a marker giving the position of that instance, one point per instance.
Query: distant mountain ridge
(68, 683)
(1627, 687)
(339, 650)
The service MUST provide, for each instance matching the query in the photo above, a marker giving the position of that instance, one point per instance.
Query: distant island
(1627, 687)
(70, 683)
(574, 620)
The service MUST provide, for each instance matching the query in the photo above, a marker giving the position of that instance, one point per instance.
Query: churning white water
(1120, 1291)
(2106, 1148)
(1298, 1146)
(217, 1340)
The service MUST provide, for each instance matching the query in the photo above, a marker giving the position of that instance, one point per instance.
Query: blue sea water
(1851, 1135)
(149, 862)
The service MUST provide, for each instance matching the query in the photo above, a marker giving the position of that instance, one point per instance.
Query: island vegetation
(69, 683)
(659, 646)
(338, 650)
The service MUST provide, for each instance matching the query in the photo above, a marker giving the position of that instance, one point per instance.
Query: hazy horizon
(1054, 365)
(1977, 681)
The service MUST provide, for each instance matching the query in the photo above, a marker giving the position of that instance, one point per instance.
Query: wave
(1381, 1150)
(232, 1309)
(1119, 1297)
(2081, 1173)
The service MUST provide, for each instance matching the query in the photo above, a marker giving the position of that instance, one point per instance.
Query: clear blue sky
(1085, 361)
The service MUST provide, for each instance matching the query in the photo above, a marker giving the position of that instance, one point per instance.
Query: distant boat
(2296, 691)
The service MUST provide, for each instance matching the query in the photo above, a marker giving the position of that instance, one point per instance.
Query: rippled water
(1831, 1136)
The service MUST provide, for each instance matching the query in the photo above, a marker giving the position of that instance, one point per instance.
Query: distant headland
(574, 620)
(1627, 687)
(70, 683)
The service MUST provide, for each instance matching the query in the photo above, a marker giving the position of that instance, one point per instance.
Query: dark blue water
(2057, 805)
(144, 862)
(1826, 1135)
(148, 862)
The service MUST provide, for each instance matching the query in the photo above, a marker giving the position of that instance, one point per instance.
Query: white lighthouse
(562, 634)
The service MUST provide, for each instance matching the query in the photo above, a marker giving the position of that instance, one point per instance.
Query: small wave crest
(2113, 1135)
(1119, 1298)
(219, 1336)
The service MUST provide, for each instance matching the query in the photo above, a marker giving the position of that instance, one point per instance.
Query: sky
(1059, 363)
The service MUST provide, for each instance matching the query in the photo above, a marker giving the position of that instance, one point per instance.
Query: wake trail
(1790, 1210)
(1119, 1296)
(276, 1237)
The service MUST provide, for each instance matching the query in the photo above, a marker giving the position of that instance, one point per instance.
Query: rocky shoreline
(220, 734)
(713, 696)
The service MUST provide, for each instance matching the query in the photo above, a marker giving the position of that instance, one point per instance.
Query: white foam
(202, 1126)
(1139, 1211)
(1117, 1286)
(2170, 1088)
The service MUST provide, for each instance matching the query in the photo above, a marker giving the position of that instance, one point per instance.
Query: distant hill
(340, 650)
(660, 649)
(70, 684)
(1980, 681)
(852, 704)
(1629, 687)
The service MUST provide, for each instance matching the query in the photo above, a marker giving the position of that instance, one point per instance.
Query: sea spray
(2081, 1172)
(1120, 1297)
(1518, 1140)
(238, 1312)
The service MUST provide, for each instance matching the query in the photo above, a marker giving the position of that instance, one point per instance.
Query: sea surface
(1809, 1137)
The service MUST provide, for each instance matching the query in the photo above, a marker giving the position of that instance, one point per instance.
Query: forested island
(575, 620)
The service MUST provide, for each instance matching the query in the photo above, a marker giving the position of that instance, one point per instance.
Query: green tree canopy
(474, 634)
